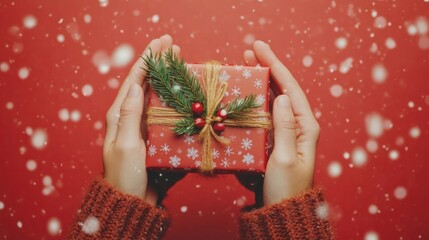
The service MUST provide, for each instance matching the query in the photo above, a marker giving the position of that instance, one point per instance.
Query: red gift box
(248, 148)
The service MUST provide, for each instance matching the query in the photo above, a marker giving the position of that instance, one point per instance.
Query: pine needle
(240, 105)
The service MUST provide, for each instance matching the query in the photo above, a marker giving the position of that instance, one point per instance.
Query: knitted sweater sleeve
(301, 217)
(107, 213)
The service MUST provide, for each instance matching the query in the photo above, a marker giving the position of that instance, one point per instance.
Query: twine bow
(215, 90)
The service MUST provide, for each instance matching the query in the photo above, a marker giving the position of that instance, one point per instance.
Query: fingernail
(259, 42)
(283, 101)
(134, 90)
(262, 42)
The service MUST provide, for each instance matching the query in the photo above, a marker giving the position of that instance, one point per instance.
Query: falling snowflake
(260, 99)
(236, 91)
(215, 153)
(165, 148)
(248, 159)
(151, 150)
(176, 88)
(229, 151)
(247, 74)
(90, 226)
(192, 153)
(225, 163)
(258, 84)
(224, 76)
(246, 144)
(175, 161)
(238, 67)
(189, 139)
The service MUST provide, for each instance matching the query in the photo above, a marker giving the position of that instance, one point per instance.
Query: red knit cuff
(301, 217)
(107, 213)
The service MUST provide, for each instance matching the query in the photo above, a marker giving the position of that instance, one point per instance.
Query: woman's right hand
(290, 166)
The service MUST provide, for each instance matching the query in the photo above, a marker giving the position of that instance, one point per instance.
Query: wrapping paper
(248, 149)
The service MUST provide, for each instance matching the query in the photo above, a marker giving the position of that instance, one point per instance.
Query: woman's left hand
(124, 148)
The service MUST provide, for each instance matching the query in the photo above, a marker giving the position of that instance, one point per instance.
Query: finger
(283, 78)
(176, 50)
(130, 117)
(136, 75)
(281, 173)
(284, 130)
(166, 42)
(308, 127)
(249, 58)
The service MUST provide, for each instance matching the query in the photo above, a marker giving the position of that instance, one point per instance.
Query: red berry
(222, 113)
(199, 122)
(197, 108)
(219, 127)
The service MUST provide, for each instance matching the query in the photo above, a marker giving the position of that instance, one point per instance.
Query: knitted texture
(301, 217)
(107, 213)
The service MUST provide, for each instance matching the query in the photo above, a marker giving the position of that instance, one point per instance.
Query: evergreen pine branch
(179, 73)
(184, 126)
(240, 105)
(159, 79)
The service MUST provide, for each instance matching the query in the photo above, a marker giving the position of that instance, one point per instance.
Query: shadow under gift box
(248, 149)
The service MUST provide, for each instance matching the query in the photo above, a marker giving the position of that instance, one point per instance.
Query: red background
(383, 197)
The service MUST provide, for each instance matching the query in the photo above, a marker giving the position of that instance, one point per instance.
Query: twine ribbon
(215, 90)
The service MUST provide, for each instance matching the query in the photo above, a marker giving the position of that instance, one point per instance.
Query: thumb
(130, 115)
(284, 129)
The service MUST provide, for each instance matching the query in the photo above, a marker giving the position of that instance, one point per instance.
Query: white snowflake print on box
(248, 159)
(192, 153)
(247, 148)
(165, 148)
(151, 150)
(246, 143)
(174, 161)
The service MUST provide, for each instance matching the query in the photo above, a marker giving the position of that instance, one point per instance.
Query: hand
(291, 164)
(124, 148)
